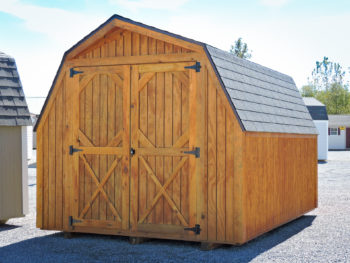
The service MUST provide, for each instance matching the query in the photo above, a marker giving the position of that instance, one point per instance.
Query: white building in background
(339, 132)
(319, 115)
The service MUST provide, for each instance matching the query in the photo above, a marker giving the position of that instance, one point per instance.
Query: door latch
(132, 151)
(195, 152)
(73, 150)
(196, 229)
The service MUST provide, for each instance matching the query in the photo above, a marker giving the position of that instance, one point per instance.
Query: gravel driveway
(320, 236)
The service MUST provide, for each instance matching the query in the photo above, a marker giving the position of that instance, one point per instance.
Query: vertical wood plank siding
(280, 182)
(53, 167)
(223, 132)
(252, 182)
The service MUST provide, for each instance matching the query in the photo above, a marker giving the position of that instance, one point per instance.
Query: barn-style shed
(14, 119)
(149, 134)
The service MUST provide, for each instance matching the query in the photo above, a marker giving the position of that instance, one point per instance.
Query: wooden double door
(137, 149)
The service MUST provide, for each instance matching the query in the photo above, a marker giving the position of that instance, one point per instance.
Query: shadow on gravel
(6, 227)
(99, 248)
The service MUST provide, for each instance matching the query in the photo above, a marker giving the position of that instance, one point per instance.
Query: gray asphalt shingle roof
(13, 107)
(317, 110)
(339, 120)
(265, 100)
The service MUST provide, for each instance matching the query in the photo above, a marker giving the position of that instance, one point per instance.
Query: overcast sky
(285, 35)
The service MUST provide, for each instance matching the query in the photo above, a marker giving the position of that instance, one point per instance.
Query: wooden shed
(146, 133)
(14, 119)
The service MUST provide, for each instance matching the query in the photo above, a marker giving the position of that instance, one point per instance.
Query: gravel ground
(320, 236)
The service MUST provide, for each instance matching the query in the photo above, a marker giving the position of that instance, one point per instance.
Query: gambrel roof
(13, 107)
(263, 100)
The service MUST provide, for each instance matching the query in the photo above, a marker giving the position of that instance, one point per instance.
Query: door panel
(163, 176)
(153, 109)
(101, 133)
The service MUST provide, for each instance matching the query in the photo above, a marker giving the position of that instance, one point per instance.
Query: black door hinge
(195, 152)
(196, 67)
(73, 72)
(132, 152)
(73, 150)
(196, 229)
(72, 221)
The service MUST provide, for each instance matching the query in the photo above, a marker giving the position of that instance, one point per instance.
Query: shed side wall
(280, 180)
(224, 167)
(50, 168)
(10, 172)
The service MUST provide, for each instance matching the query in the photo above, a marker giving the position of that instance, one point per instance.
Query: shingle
(215, 52)
(6, 64)
(265, 100)
(8, 111)
(225, 65)
(23, 111)
(18, 101)
(9, 83)
(6, 73)
(23, 121)
(13, 107)
(4, 121)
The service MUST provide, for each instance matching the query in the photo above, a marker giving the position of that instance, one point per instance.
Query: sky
(286, 35)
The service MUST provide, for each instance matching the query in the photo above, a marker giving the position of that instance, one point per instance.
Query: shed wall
(223, 166)
(280, 180)
(29, 143)
(10, 172)
(337, 141)
(322, 139)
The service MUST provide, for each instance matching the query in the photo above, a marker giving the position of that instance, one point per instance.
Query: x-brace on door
(167, 127)
(100, 148)
(137, 149)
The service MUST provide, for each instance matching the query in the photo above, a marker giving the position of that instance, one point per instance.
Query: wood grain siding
(280, 181)
(123, 43)
(10, 172)
(50, 166)
(224, 166)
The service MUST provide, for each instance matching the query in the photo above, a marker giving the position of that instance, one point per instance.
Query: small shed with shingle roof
(14, 119)
(319, 115)
(157, 135)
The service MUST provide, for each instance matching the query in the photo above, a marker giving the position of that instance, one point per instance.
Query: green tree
(336, 99)
(308, 91)
(326, 73)
(240, 49)
(328, 85)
